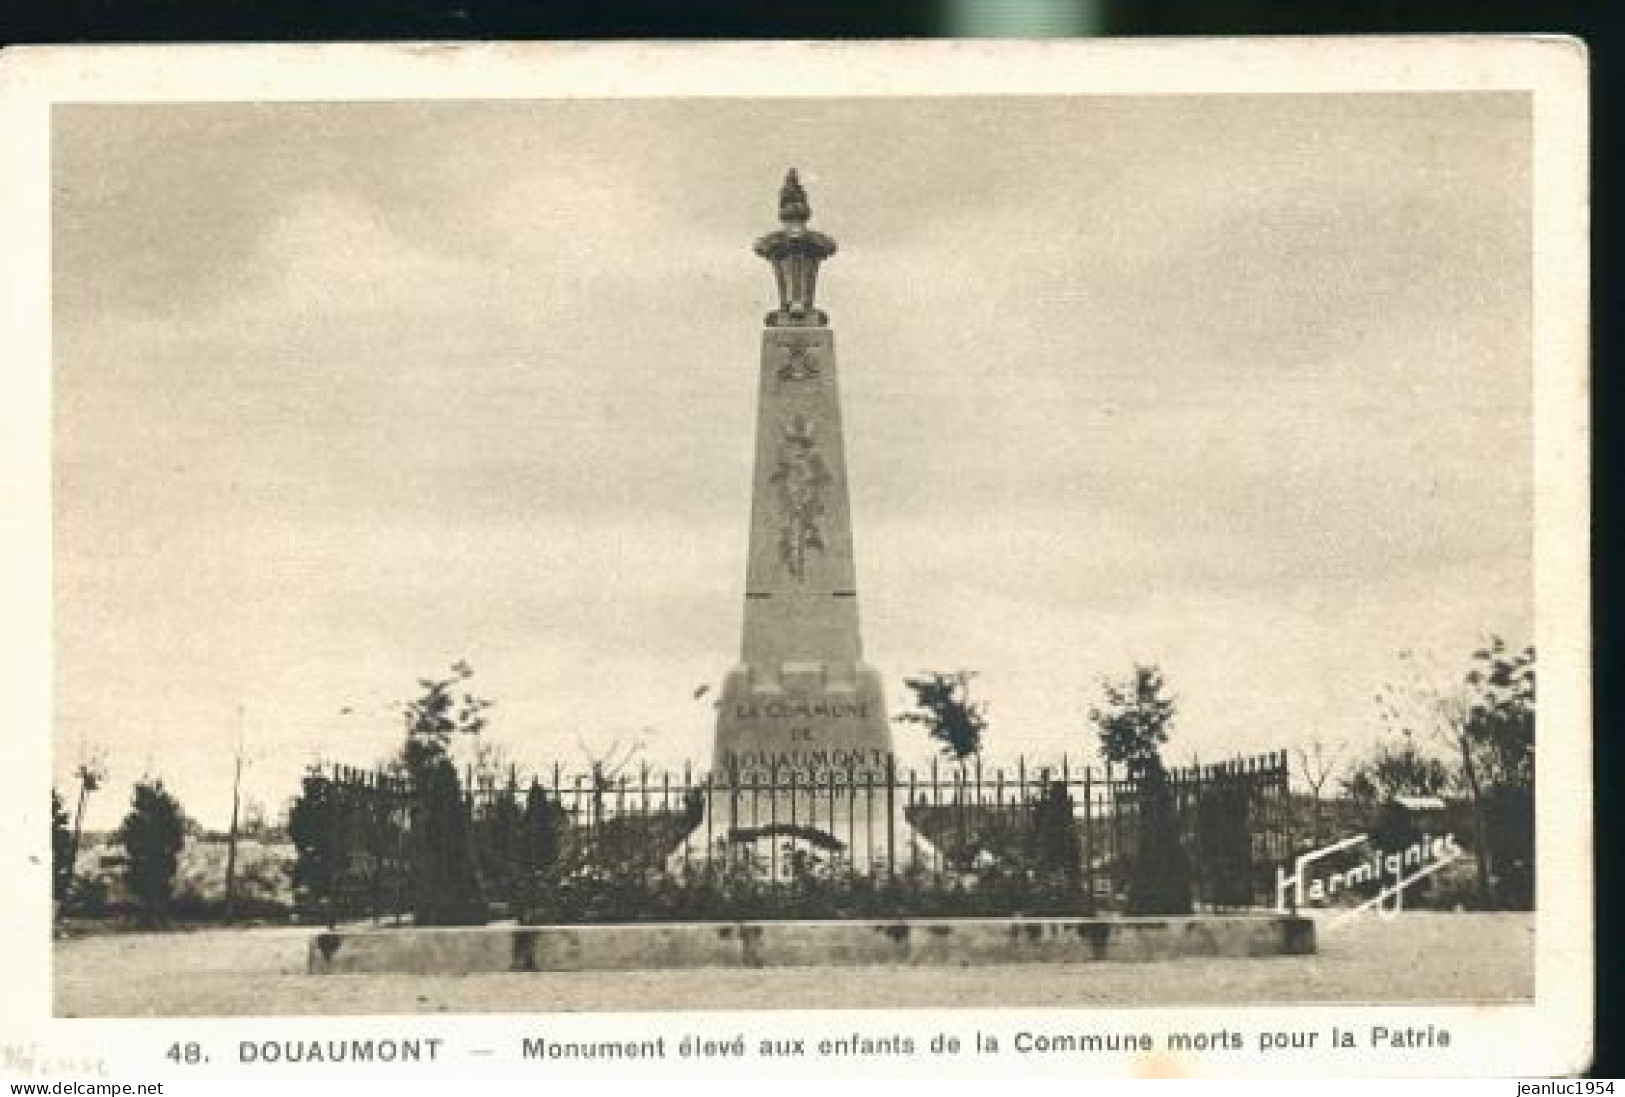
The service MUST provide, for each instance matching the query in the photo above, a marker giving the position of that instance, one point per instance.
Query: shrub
(61, 849)
(320, 831)
(1224, 839)
(740, 891)
(445, 886)
(1057, 846)
(1509, 829)
(152, 835)
(1161, 880)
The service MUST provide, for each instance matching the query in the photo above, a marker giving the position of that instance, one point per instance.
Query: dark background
(62, 21)
(302, 20)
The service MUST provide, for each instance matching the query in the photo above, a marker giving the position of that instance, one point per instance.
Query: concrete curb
(948, 942)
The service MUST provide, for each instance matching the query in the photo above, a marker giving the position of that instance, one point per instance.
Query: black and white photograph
(649, 546)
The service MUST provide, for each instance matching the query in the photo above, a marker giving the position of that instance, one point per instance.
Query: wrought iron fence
(1090, 831)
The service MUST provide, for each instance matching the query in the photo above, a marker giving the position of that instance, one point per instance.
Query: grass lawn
(1421, 956)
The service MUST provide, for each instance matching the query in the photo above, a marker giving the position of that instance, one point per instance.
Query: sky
(347, 392)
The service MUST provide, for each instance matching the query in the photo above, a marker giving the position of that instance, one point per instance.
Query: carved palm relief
(801, 480)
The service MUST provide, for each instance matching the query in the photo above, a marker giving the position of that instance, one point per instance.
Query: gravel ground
(1421, 956)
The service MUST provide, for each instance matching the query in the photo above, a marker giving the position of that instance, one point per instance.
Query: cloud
(347, 392)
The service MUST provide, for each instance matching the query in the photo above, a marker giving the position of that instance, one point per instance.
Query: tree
(1317, 763)
(1132, 721)
(943, 706)
(1056, 844)
(152, 835)
(439, 716)
(1500, 719)
(61, 849)
(1223, 816)
(445, 887)
(1484, 719)
(445, 884)
(1394, 770)
(604, 770)
(498, 834)
(317, 826)
(90, 774)
(539, 832)
(1501, 729)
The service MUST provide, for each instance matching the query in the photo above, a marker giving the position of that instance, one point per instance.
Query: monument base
(949, 942)
(804, 777)
(860, 830)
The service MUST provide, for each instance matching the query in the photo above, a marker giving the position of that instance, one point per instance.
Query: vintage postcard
(473, 615)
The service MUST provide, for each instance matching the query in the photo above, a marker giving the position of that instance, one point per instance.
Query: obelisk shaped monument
(803, 747)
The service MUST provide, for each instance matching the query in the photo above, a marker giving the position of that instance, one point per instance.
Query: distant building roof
(1420, 803)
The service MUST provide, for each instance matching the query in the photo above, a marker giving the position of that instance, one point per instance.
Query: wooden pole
(85, 781)
(231, 834)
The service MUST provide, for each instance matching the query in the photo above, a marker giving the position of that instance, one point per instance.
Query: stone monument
(803, 750)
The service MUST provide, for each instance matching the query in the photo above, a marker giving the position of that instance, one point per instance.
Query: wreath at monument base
(811, 835)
